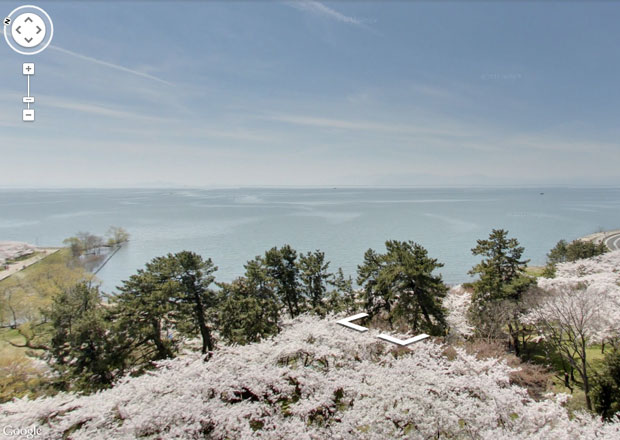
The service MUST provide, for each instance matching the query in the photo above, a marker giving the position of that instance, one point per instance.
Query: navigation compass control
(28, 30)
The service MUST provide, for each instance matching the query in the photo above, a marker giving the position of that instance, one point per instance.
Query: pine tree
(343, 297)
(245, 315)
(377, 298)
(281, 267)
(84, 350)
(185, 278)
(314, 276)
(606, 390)
(171, 295)
(500, 286)
(143, 316)
(402, 283)
(564, 252)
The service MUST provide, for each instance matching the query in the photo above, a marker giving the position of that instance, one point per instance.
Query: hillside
(315, 380)
(600, 278)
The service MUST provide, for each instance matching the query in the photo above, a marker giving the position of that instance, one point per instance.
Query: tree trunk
(514, 335)
(207, 339)
(289, 306)
(14, 326)
(296, 302)
(517, 346)
(586, 381)
(205, 332)
(586, 390)
(162, 351)
(427, 317)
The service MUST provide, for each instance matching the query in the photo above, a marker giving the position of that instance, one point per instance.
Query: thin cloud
(110, 65)
(162, 126)
(454, 135)
(319, 8)
(99, 110)
(432, 92)
(105, 63)
(356, 125)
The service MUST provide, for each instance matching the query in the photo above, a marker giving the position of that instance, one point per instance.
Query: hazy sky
(317, 93)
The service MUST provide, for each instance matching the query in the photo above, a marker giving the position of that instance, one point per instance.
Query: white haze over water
(233, 225)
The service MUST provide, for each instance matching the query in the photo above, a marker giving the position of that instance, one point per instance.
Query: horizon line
(264, 186)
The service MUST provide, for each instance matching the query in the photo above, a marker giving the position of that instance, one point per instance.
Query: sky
(303, 93)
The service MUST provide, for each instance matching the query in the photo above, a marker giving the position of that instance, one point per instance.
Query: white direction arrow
(401, 342)
(346, 322)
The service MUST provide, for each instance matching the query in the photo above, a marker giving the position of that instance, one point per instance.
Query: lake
(232, 226)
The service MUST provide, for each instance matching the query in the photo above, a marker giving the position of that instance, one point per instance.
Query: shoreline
(40, 254)
(107, 258)
(597, 237)
(610, 238)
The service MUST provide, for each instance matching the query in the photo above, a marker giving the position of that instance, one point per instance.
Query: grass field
(7, 334)
(535, 271)
(6, 349)
(19, 374)
(535, 353)
(62, 256)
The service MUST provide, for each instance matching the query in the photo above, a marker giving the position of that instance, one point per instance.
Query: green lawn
(6, 349)
(535, 271)
(19, 374)
(61, 256)
(536, 353)
(7, 334)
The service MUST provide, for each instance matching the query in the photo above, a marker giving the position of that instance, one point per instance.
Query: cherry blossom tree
(579, 307)
(570, 320)
(600, 277)
(315, 380)
(457, 303)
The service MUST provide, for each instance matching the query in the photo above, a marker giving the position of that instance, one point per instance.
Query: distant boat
(542, 194)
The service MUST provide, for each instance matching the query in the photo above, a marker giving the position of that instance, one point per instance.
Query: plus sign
(28, 68)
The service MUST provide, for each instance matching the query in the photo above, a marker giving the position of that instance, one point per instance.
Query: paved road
(613, 242)
(20, 265)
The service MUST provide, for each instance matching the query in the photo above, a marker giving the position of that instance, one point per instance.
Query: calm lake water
(233, 225)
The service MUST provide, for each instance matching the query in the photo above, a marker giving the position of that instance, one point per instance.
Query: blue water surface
(234, 225)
